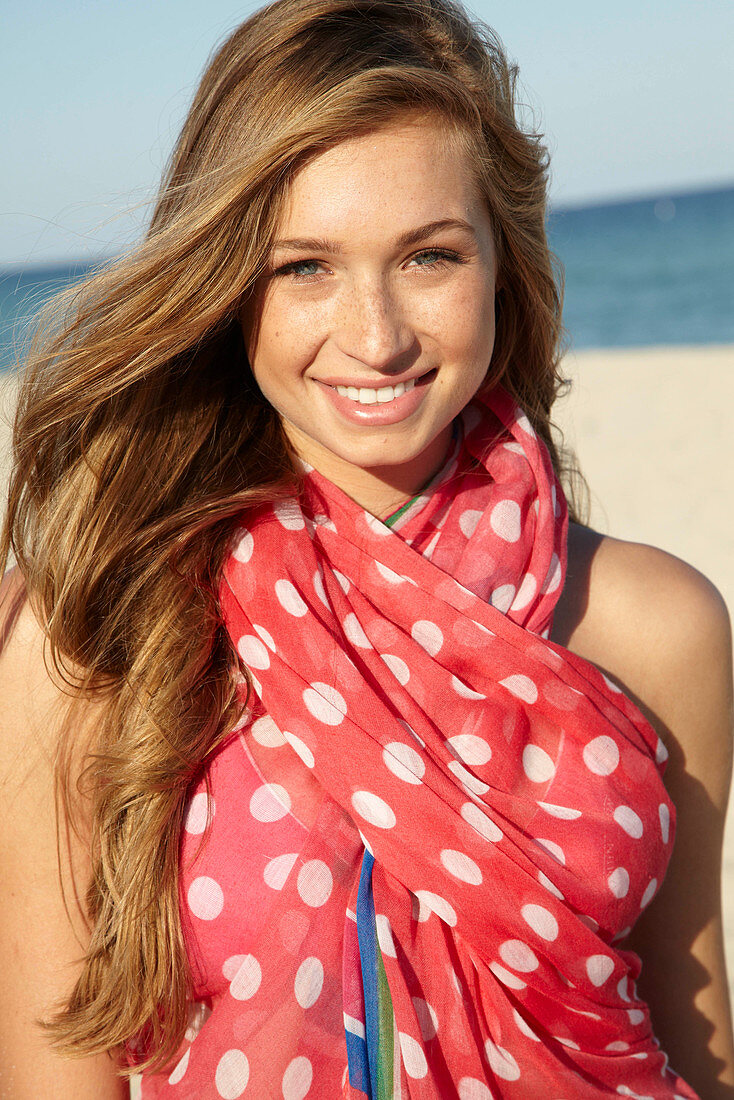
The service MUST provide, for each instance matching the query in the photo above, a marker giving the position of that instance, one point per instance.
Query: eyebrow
(411, 236)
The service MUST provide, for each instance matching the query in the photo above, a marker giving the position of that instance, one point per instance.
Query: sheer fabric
(418, 856)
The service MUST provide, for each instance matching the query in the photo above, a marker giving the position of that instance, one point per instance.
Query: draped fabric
(411, 871)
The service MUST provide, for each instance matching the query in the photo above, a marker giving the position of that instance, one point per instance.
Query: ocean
(658, 270)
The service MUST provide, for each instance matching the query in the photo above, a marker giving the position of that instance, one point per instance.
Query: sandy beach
(652, 429)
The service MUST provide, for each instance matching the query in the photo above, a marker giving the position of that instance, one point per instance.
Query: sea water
(658, 270)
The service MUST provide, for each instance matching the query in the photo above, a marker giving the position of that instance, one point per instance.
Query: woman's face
(374, 324)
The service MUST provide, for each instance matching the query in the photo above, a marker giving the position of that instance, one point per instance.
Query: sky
(634, 98)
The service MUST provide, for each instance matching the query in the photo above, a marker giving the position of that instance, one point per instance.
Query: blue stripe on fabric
(359, 1070)
(368, 948)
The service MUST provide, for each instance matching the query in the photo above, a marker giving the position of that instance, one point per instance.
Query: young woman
(347, 746)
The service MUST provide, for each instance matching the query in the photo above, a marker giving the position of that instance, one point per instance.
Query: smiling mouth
(366, 396)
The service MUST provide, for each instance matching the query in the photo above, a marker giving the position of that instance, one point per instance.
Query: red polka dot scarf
(483, 813)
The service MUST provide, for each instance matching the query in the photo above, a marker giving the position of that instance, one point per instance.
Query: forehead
(417, 168)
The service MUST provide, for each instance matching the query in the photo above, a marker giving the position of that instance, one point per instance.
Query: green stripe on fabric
(386, 1057)
(403, 508)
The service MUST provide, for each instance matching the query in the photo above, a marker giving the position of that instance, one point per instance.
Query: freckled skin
(374, 310)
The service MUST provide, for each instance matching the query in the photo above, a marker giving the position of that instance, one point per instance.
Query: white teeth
(366, 396)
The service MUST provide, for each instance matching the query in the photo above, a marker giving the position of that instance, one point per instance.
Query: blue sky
(634, 98)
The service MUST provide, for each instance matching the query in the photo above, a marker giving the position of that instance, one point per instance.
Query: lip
(391, 412)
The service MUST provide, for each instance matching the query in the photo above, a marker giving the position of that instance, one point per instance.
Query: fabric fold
(500, 798)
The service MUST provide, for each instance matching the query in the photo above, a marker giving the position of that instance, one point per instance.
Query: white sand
(653, 432)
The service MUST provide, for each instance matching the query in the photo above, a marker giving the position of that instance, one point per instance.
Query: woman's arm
(40, 944)
(662, 631)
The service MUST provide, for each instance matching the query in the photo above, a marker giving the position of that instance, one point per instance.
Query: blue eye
(296, 268)
(436, 257)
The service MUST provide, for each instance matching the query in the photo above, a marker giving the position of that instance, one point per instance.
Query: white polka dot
(552, 849)
(342, 581)
(505, 519)
(537, 764)
(355, 633)
(297, 1079)
(649, 893)
(232, 1074)
(180, 1069)
(471, 1089)
(289, 599)
(318, 584)
(427, 1018)
(397, 666)
(550, 886)
(636, 1015)
(664, 815)
(325, 703)
(470, 782)
(599, 968)
(253, 652)
(522, 687)
(601, 755)
(404, 762)
(300, 748)
(309, 981)
(376, 525)
(622, 988)
(265, 636)
(468, 521)
(518, 956)
(563, 812)
(244, 546)
(470, 749)
(553, 577)
(277, 870)
(480, 822)
(661, 753)
(432, 903)
(501, 1061)
(389, 574)
(525, 593)
(246, 981)
(199, 813)
(266, 733)
(205, 898)
(541, 921)
(619, 882)
(270, 802)
(315, 883)
(502, 597)
(384, 936)
(461, 866)
(289, 515)
(510, 980)
(524, 1026)
(566, 1042)
(628, 820)
(523, 422)
(231, 965)
(373, 809)
(464, 690)
(414, 1059)
(619, 1045)
(428, 636)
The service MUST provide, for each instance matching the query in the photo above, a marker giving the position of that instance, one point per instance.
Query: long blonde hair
(140, 437)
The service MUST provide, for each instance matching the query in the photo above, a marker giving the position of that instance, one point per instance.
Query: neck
(380, 490)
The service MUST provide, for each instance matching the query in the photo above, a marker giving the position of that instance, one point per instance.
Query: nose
(374, 327)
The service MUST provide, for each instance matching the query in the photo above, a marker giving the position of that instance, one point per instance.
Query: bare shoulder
(651, 620)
